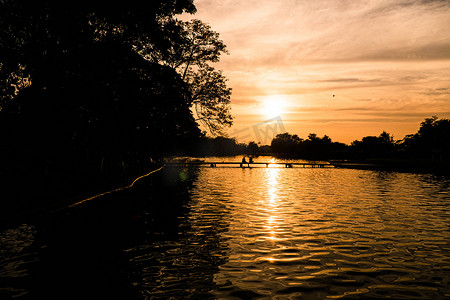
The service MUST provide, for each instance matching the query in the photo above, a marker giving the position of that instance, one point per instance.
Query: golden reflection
(272, 191)
(271, 220)
(273, 178)
(272, 163)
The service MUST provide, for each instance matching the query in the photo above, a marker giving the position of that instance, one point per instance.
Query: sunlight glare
(273, 185)
(272, 106)
(273, 219)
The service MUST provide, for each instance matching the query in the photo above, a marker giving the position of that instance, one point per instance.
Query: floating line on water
(115, 190)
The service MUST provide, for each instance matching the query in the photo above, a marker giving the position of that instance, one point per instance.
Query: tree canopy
(433, 136)
(190, 48)
(92, 87)
(104, 69)
(431, 142)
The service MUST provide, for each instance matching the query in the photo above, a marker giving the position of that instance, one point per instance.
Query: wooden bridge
(213, 164)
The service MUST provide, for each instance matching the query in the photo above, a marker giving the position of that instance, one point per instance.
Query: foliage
(211, 98)
(252, 149)
(190, 48)
(286, 143)
(313, 147)
(433, 137)
(85, 76)
(188, 44)
(77, 98)
(432, 141)
(374, 146)
(219, 146)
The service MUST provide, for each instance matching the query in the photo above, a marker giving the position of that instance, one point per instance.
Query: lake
(243, 233)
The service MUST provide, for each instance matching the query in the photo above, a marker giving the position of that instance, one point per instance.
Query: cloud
(432, 51)
(312, 31)
(437, 92)
(372, 54)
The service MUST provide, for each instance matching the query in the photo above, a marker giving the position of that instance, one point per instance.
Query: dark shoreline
(30, 214)
(406, 166)
(390, 165)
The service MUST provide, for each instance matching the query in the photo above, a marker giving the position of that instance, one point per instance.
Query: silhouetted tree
(84, 77)
(219, 146)
(313, 147)
(286, 143)
(253, 149)
(432, 139)
(211, 98)
(78, 98)
(265, 150)
(192, 43)
(374, 146)
(192, 46)
(313, 137)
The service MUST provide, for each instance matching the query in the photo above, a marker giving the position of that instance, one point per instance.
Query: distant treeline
(432, 141)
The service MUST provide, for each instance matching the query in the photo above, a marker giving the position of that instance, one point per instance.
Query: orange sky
(386, 62)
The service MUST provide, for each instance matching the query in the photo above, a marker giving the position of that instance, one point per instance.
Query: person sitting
(244, 161)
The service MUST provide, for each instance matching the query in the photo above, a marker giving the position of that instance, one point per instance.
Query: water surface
(299, 233)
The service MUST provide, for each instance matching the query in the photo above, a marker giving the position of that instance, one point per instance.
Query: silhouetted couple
(244, 161)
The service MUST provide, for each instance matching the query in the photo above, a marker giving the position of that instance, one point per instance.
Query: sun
(272, 106)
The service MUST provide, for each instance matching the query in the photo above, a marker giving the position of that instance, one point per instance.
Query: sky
(342, 68)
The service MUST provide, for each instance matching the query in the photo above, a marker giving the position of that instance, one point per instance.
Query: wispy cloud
(305, 31)
(380, 52)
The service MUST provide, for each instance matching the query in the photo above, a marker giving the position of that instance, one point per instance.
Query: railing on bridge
(247, 165)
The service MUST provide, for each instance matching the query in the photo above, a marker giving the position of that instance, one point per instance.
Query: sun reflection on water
(272, 207)
(296, 231)
(266, 233)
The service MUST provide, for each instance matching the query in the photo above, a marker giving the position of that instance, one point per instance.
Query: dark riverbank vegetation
(426, 150)
(93, 92)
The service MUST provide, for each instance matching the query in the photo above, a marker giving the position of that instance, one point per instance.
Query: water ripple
(330, 233)
(272, 233)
